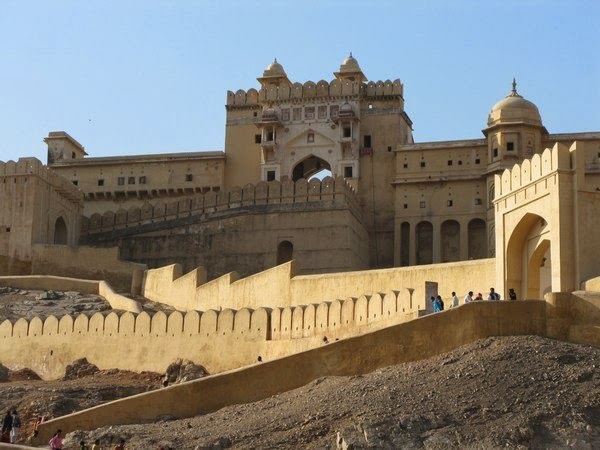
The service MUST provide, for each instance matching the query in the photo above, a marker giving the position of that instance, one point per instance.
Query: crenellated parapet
(314, 91)
(25, 167)
(262, 193)
(531, 170)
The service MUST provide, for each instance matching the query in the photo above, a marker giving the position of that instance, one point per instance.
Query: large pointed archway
(527, 261)
(60, 231)
(308, 167)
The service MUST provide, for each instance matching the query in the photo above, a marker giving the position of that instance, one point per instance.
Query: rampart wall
(262, 193)
(418, 339)
(218, 339)
(311, 90)
(282, 286)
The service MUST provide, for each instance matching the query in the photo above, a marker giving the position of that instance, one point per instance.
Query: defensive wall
(50, 282)
(283, 286)
(218, 339)
(418, 339)
(311, 90)
(262, 193)
(243, 229)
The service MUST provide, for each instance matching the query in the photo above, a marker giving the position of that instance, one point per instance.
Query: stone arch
(476, 235)
(539, 271)
(524, 251)
(308, 167)
(424, 241)
(450, 240)
(61, 233)
(285, 252)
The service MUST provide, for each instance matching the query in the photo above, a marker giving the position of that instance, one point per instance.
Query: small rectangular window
(477, 161)
(121, 181)
(348, 172)
(72, 155)
(367, 141)
(449, 162)
(270, 136)
(75, 182)
(406, 206)
(422, 163)
(495, 153)
(270, 175)
(257, 138)
(101, 182)
(510, 146)
(255, 114)
(334, 111)
(131, 180)
(422, 204)
(347, 132)
(449, 203)
(310, 138)
(189, 177)
(459, 162)
(142, 179)
(477, 202)
(285, 114)
(309, 112)
(405, 166)
(389, 148)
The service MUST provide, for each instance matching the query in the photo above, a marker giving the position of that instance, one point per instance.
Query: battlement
(33, 167)
(313, 91)
(262, 193)
(539, 166)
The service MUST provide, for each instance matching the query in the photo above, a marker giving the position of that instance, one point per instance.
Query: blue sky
(132, 77)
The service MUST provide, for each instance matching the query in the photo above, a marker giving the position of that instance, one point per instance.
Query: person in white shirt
(454, 300)
(469, 297)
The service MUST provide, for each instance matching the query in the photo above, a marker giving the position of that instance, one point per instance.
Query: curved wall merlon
(415, 340)
(538, 167)
(311, 90)
(263, 193)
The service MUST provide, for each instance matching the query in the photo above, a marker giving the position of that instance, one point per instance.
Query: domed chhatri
(274, 70)
(274, 74)
(350, 70)
(514, 109)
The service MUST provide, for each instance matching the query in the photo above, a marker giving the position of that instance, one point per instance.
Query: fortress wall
(280, 286)
(263, 193)
(311, 90)
(415, 340)
(85, 262)
(538, 167)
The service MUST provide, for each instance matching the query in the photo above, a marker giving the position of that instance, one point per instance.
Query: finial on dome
(514, 85)
(275, 60)
(350, 55)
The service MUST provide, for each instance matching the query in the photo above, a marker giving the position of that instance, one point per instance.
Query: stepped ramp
(418, 339)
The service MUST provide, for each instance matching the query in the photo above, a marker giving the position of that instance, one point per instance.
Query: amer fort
(309, 247)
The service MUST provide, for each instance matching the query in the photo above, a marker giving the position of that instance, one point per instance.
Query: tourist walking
(16, 427)
(469, 297)
(437, 306)
(441, 301)
(493, 295)
(56, 442)
(512, 294)
(454, 300)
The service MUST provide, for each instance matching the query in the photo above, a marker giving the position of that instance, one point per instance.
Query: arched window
(285, 252)
(60, 231)
(424, 238)
(450, 241)
(310, 166)
(477, 236)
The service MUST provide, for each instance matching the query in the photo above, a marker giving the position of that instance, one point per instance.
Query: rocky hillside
(515, 392)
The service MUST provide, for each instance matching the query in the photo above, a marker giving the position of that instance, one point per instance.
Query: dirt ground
(510, 392)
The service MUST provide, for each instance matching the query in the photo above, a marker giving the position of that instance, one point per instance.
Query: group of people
(11, 426)
(438, 303)
(56, 443)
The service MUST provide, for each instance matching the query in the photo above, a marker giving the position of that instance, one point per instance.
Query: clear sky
(151, 76)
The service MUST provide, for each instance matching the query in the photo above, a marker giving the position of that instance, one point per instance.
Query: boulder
(79, 368)
(183, 370)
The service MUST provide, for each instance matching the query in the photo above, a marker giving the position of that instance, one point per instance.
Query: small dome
(274, 70)
(346, 107)
(514, 108)
(350, 64)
